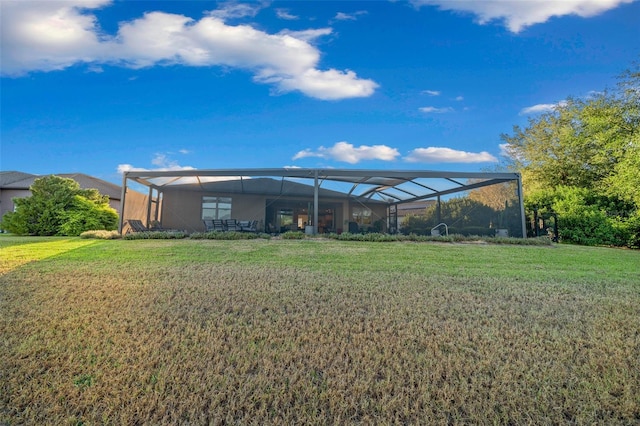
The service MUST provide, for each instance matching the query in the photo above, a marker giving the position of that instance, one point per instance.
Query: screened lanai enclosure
(328, 200)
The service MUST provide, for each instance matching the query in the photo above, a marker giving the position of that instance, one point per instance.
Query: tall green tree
(58, 206)
(588, 143)
(593, 146)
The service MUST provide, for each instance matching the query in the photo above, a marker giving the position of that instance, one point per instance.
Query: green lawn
(316, 332)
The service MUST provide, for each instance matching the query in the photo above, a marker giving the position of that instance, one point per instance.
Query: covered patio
(318, 188)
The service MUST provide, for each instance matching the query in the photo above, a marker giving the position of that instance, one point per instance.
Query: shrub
(101, 234)
(58, 206)
(84, 215)
(156, 235)
(232, 235)
(589, 218)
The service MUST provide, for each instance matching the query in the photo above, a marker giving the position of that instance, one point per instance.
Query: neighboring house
(415, 208)
(16, 185)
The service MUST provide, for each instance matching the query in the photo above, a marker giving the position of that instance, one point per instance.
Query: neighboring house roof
(416, 206)
(9, 178)
(20, 180)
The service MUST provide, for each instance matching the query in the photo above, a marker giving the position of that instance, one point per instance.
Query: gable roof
(20, 180)
(7, 179)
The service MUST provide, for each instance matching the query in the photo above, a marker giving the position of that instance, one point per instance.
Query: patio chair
(215, 225)
(248, 225)
(232, 225)
(218, 225)
(136, 225)
(157, 226)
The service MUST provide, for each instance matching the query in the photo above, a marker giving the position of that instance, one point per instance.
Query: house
(313, 200)
(16, 185)
(277, 205)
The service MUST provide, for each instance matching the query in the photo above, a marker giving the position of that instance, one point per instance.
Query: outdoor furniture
(136, 225)
(248, 225)
(215, 225)
(232, 225)
(157, 226)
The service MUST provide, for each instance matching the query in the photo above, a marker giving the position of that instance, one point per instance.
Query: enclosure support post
(122, 199)
(438, 211)
(149, 200)
(158, 200)
(315, 203)
(521, 200)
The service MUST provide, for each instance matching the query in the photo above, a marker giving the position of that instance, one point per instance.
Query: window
(361, 215)
(216, 208)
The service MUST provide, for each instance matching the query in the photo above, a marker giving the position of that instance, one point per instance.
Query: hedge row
(297, 235)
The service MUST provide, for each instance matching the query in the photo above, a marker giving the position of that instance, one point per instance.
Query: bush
(293, 235)
(58, 206)
(372, 236)
(84, 215)
(628, 230)
(589, 218)
(232, 235)
(473, 230)
(101, 234)
(156, 235)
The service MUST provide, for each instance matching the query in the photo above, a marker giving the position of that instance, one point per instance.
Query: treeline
(582, 162)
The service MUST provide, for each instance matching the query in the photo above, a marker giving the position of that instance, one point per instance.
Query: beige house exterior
(277, 206)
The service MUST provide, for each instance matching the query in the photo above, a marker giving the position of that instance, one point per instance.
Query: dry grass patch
(273, 332)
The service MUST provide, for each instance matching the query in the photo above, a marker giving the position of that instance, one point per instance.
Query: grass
(316, 332)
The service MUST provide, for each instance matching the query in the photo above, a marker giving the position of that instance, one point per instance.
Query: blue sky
(99, 87)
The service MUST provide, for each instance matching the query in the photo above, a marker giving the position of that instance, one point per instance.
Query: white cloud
(459, 98)
(342, 16)
(508, 151)
(518, 15)
(435, 110)
(47, 36)
(326, 85)
(542, 108)
(346, 152)
(447, 155)
(161, 161)
(307, 35)
(504, 150)
(431, 92)
(233, 10)
(284, 14)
